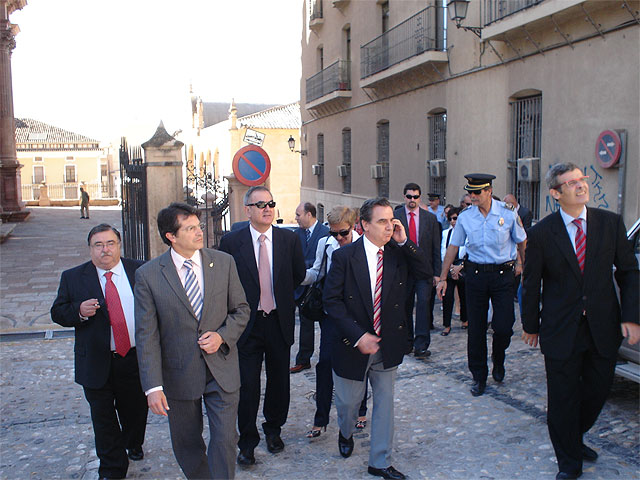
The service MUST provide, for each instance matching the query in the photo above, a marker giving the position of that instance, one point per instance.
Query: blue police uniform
(439, 213)
(489, 272)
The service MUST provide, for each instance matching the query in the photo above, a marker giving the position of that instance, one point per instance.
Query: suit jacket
(167, 329)
(551, 260)
(309, 248)
(288, 271)
(526, 216)
(92, 350)
(348, 302)
(429, 237)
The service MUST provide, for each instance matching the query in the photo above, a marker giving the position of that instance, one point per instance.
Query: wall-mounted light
(292, 146)
(458, 12)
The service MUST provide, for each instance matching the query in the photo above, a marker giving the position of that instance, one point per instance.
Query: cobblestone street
(441, 431)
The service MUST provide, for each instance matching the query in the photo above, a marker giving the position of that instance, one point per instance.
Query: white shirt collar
(369, 247)
(312, 227)
(255, 234)
(178, 260)
(118, 270)
(567, 219)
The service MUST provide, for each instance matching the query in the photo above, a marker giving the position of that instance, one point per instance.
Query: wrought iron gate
(135, 225)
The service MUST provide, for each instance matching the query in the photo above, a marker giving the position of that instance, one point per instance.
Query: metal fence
(495, 10)
(335, 77)
(135, 224)
(64, 191)
(422, 32)
(438, 150)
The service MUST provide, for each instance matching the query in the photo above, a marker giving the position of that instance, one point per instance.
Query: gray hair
(556, 170)
(257, 188)
(366, 210)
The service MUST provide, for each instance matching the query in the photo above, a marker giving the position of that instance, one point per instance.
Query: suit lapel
(389, 267)
(130, 270)
(561, 237)
(593, 240)
(208, 274)
(362, 275)
(277, 254)
(171, 275)
(245, 247)
(90, 275)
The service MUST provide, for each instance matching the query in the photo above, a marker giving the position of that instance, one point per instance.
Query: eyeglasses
(572, 183)
(192, 228)
(99, 245)
(342, 233)
(261, 204)
(453, 218)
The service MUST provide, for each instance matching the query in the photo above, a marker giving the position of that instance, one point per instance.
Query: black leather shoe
(421, 354)
(478, 388)
(589, 454)
(299, 368)
(135, 453)
(388, 472)
(274, 443)
(498, 373)
(345, 445)
(567, 475)
(245, 457)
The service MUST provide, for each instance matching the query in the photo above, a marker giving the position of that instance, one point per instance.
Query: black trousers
(448, 301)
(119, 415)
(577, 389)
(265, 342)
(480, 288)
(307, 340)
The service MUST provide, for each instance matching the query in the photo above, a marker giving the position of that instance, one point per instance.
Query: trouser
(424, 316)
(119, 415)
(481, 287)
(84, 211)
(577, 389)
(307, 340)
(265, 342)
(448, 300)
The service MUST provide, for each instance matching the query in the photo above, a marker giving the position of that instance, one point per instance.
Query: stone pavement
(441, 431)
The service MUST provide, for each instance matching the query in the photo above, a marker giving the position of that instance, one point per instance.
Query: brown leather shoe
(299, 368)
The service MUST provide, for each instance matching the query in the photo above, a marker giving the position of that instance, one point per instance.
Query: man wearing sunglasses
(423, 230)
(271, 265)
(496, 242)
(581, 323)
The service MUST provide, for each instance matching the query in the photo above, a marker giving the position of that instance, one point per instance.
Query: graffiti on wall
(598, 195)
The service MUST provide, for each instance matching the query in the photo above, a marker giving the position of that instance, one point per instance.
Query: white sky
(111, 68)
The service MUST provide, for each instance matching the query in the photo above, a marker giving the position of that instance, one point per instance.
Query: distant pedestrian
(97, 299)
(578, 318)
(455, 277)
(84, 203)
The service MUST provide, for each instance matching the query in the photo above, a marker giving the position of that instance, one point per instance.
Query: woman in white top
(455, 277)
(341, 221)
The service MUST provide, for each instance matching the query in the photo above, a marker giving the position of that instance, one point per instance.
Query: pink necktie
(412, 228)
(581, 243)
(116, 317)
(377, 296)
(264, 274)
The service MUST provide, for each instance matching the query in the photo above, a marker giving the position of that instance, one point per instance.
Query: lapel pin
(211, 265)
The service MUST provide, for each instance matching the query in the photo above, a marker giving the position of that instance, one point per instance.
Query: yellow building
(64, 161)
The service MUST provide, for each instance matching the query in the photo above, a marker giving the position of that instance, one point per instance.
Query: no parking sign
(608, 148)
(251, 165)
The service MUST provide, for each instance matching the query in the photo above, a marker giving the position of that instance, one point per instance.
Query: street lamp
(292, 146)
(458, 12)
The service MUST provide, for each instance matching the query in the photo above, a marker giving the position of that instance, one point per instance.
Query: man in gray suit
(190, 310)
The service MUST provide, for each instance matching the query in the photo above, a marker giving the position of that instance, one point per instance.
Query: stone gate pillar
(236, 204)
(163, 156)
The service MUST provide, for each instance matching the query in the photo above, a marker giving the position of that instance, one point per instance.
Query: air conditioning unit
(316, 169)
(376, 171)
(529, 169)
(343, 170)
(438, 168)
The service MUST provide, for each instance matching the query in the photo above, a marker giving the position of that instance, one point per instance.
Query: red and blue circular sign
(608, 148)
(251, 165)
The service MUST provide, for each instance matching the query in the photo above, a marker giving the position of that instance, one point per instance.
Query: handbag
(311, 301)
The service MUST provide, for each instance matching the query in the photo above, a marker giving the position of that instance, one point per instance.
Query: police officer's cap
(433, 196)
(478, 181)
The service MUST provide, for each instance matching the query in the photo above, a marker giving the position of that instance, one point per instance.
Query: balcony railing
(336, 77)
(420, 33)
(65, 191)
(495, 10)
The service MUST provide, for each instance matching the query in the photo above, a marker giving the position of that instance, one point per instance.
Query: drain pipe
(622, 170)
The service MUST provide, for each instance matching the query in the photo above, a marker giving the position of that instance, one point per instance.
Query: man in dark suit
(97, 299)
(581, 323)
(423, 229)
(271, 266)
(309, 232)
(190, 311)
(364, 297)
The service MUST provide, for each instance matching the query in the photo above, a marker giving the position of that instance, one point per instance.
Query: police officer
(496, 242)
(437, 209)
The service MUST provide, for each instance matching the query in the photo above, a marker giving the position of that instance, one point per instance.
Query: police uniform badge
(519, 221)
(501, 221)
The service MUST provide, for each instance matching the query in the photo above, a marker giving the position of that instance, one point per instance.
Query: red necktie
(581, 243)
(412, 228)
(116, 317)
(377, 296)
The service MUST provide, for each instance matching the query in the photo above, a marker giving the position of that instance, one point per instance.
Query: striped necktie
(193, 289)
(377, 296)
(581, 243)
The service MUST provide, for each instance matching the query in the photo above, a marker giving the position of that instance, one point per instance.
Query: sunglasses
(342, 233)
(468, 204)
(454, 218)
(262, 204)
(475, 192)
(412, 197)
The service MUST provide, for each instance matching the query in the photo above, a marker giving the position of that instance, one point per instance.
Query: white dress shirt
(255, 236)
(371, 252)
(571, 228)
(121, 281)
(196, 258)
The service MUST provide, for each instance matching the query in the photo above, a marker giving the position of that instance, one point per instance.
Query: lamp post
(458, 12)
(292, 146)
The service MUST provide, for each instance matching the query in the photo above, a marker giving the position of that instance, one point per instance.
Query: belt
(489, 267)
(261, 313)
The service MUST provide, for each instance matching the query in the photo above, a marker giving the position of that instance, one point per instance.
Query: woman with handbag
(455, 277)
(341, 232)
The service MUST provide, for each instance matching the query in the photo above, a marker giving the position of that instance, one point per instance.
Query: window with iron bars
(438, 151)
(346, 160)
(321, 161)
(383, 158)
(526, 141)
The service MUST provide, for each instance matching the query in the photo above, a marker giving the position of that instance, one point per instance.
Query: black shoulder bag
(311, 302)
